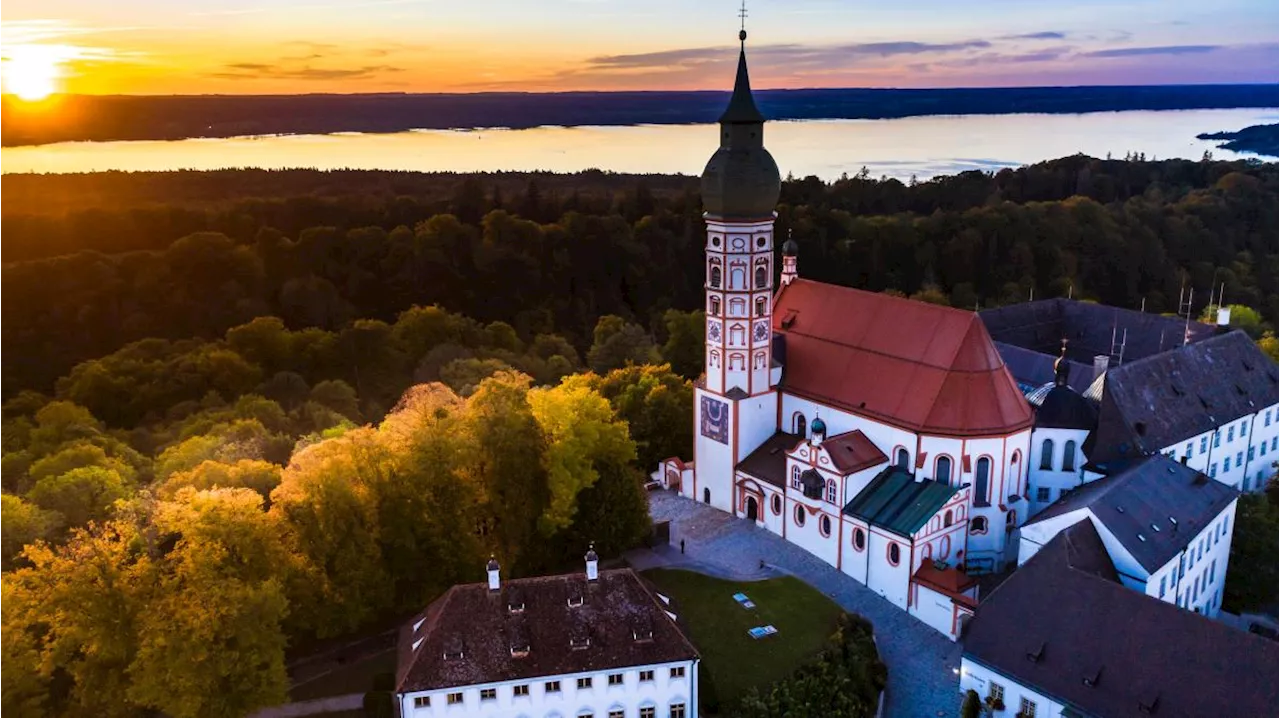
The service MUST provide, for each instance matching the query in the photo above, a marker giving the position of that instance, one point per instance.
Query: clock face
(761, 331)
(713, 331)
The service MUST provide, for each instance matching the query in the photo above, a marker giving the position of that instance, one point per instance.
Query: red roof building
(921, 367)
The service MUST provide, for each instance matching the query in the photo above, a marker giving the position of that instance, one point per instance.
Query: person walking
(681, 547)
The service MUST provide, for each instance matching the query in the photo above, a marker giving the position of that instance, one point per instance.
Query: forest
(247, 411)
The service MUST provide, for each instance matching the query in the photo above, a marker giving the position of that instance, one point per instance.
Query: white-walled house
(1166, 528)
(597, 644)
(1063, 420)
(1063, 637)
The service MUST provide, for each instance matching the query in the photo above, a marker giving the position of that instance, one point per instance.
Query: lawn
(718, 626)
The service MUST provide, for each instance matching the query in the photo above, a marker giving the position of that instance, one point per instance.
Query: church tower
(737, 403)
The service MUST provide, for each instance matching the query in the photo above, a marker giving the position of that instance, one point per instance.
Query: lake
(919, 146)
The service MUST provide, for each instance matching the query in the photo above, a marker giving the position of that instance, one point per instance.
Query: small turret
(1061, 367)
(818, 430)
(789, 250)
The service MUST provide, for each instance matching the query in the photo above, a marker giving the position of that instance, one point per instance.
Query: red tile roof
(950, 581)
(918, 366)
(852, 451)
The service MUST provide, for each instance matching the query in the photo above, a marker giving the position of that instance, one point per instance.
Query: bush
(972, 706)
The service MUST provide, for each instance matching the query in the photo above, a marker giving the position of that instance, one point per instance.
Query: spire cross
(742, 15)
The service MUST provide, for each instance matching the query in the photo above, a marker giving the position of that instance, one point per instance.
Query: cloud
(777, 55)
(271, 71)
(1046, 35)
(1160, 50)
(297, 8)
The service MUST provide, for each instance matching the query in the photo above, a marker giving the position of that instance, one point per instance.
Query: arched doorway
(753, 509)
(706, 496)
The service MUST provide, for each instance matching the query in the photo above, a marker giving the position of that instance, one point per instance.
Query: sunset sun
(32, 72)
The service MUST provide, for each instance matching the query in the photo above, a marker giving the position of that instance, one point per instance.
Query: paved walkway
(920, 660)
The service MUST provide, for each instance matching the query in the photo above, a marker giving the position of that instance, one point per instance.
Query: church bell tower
(737, 405)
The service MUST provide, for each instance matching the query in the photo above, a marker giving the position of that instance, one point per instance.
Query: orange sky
(295, 46)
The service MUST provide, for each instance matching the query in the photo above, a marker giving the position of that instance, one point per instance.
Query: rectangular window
(1273, 443)
(1244, 428)
(1250, 453)
(488, 694)
(1213, 569)
(677, 710)
(646, 676)
(1042, 494)
(522, 690)
(553, 687)
(1195, 590)
(1027, 708)
(584, 683)
(617, 714)
(1213, 470)
(1231, 434)
(1204, 444)
(1182, 565)
(615, 679)
(1189, 447)
(648, 712)
(1217, 438)
(997, 692)
(677, 672)
(1239, 459)
(422, 701)
(454, 699)
(1162, 579)
(1262, 448)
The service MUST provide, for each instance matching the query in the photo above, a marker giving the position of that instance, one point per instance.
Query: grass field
(718, 626)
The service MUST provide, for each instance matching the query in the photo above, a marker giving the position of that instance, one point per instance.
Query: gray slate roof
(1154, 403)
(1073, 633)
(1062, 407)
(1149, 493)
(1032, 369)
(1042, 325)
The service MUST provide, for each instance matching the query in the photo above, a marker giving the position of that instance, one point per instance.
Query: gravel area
(920, 660)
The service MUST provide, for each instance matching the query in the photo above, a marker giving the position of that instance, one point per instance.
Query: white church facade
(880, 434)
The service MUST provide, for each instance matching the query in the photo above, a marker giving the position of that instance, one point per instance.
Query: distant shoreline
(122, 117)
(1261, 140)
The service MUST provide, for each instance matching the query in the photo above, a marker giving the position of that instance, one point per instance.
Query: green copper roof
(742, 106)
(895, 501)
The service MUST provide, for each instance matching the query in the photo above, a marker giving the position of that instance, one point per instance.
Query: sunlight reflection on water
(920, 146)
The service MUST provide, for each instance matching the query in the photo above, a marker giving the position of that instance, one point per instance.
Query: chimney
(1100, 364)
(1224, 320)
(494, 583)
(593, 561)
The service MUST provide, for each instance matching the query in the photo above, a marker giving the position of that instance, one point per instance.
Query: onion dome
(591, 553)
(741, 180)
(492, 565)
(818, 426)
(789, 247)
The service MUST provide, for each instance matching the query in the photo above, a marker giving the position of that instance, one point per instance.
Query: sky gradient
(301, 46)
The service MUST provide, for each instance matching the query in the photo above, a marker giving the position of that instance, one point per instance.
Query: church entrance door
(706, 496)
(753, 510)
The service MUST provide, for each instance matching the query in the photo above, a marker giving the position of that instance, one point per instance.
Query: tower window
(760, 306)
(798, 421)
(715, 306)
(1069, 456)
(716, 277)
(762, 277)
(942, 469)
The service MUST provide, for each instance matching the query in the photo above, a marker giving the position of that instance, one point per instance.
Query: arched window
(902, 459)
(737, 277)
(762, 277)
(737, 335)
(760, 306)
(831, 491)
(799, 515)
(799, 424)
(715, 277)
(1069, 456)
(942, 469)
(1011, 521)
(715, 359)
(737, 307)
(944, 547)
(947, 519)
(895, 554)
(715, 306)
(1046, 455)
(795, 477)
(825, 526)
(978, 525)
(926, 552)
(757, 362)
(982, 477)
(776, 504)
(737, 361)
(859, 539)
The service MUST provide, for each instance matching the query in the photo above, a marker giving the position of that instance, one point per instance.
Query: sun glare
(33, 72)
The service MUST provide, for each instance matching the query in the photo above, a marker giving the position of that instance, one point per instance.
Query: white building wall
(713, 460)
(808, 535)
(757, 421)
(936, 610)
(1046, 485)
(855, 562)
(977, 677)
(661, 693)
(1201, 568)
(891, 582)
(1234, 453)
(1035, 535)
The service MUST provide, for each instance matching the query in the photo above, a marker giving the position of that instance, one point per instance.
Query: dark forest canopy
(116, 117)
(322, 249)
